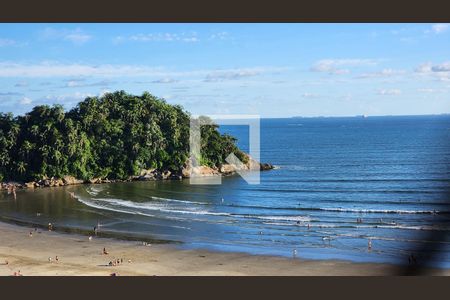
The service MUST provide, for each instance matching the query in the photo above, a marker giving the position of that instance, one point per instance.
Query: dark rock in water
(266, 166)
(176, 177)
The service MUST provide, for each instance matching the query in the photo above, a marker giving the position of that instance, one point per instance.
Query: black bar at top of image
(225, 11)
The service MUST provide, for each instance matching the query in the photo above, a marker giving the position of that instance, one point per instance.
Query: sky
(271, 70)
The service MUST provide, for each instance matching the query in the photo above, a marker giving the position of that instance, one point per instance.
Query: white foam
(285, 218)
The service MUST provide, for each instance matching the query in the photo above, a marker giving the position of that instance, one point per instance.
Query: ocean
(339, 184)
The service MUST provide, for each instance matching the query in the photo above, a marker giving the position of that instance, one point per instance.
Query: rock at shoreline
(150, 174)
(30, 185)
(146, 177)
(95, 180)
(166, 174)
(70, 180)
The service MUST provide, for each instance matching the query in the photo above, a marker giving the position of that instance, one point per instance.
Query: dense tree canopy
(113, 136)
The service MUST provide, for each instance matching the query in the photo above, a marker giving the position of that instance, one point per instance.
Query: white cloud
(75, 36)
(67, 100)
(81, 83)
(340, 66)
(232, 74)
(444, 67)
(165, 80)
(389, 92)
(55, 69)
(382, 74)
(440, 28)
(159, 37)
(424, 68)
(440, 72)
(25, 101)
(309, 95)
(220, 36)
(430, 91)
(7, 42)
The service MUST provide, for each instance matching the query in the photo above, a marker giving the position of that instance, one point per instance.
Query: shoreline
(145, 175)
(79, 256)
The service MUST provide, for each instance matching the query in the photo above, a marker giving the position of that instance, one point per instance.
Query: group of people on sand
(50, 260)
(115, 262)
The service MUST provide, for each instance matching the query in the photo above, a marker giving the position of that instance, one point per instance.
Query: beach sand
(80, 256)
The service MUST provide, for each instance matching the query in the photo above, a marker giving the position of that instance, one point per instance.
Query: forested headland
(114, 137)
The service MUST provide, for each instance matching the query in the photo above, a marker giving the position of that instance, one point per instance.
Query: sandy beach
(79, 256)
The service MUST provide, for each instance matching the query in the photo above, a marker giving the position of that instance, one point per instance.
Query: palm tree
(21, 167)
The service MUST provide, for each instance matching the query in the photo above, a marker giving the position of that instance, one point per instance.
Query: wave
(336, 226)
(146, 206)
(90, 204)
(382, 211)
(122, 206)
(350, 210)
(135, 208)
(285, 218)
(178, 201)
(436, 190)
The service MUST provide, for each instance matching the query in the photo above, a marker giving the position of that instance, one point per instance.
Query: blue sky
(274, 70)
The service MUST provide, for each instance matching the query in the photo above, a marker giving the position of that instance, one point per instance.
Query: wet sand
(80, 256)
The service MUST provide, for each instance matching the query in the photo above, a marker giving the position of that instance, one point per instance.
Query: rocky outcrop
(49, 182)
(151, 174)
(225, 169)
(70, 180)
(95, 180)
